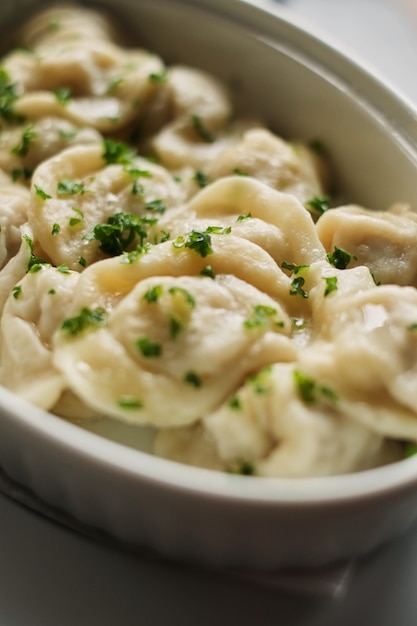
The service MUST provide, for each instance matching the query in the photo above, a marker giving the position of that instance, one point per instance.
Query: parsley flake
(193, 379)
(310, 391)
(63, 95)
(153, 294)
(41, 193)
(17, 291)
(121, 232)
(129, 402)
(340, 258)
(331, 284)
(148, 348)
(87, 319)
(198, 241)
(208, 271)
(27, 138)
(117, 152)
(296, 288)
(201, 129)
(319, 204)
(70, 188)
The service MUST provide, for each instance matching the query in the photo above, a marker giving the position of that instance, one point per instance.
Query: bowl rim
(135, 465)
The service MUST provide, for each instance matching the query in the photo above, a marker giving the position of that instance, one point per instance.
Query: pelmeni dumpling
(14, 204)
(94, 82)
(269, 427)
(33, 311)
(106, 282)
(25, 145)
(292, 168)
(173, 348)
(384, 241)
(65, 22)
(77, 190)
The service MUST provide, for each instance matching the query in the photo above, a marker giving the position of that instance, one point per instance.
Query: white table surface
(50, 576)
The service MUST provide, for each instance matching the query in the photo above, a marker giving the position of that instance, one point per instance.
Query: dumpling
(172, 349)
(268, 428)
(78, 190)
(384, 241)
(33, 312)
(291, 168)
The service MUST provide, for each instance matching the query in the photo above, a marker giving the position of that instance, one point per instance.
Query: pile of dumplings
(170, 264)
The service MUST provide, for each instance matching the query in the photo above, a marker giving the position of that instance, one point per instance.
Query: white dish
(304, 88)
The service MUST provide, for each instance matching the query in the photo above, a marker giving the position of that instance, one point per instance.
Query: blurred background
(381, 33)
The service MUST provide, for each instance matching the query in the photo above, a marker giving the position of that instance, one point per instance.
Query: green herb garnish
(87, 319)
(196, 240)
(319, 204)
(63, 95)
(148, 348)
(296, 288)
(27, 138)
(193, 379)
(339, 258)
(331, 284)
(201, 129)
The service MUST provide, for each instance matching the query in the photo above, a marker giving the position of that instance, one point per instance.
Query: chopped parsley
(198, 241)
(148, 348)
(235, 403)
(193, 379)
(238, 172)
(23, 172)
(175, 326)
(292, 267)
(82, 261)
(201, 178)
(319, 204)
(331, 284)
(67, 134)
(63, 95)
(241, 218)
(310, 391)
(8, 96)
(261, 315)
(158, 78)
(157, 206)
(153, 294)
(134, 255)
(260, 381)
(27, 138)
(340, 258)
(189, 299)
(70, 188)
(121, 231)
(41, 193)
(201, 129)
(74, 221)
(208, 271)
(129, 402)
(17, 291)
(242, 468)
(296, 288)
(35, 262)
(117, 152)
(55, 229)
(87, 319)
(412, 327)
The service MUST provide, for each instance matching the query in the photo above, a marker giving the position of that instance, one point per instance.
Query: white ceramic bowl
(302, 88)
